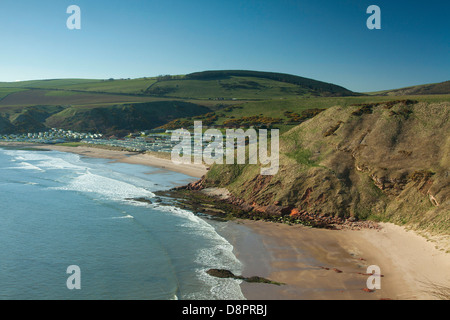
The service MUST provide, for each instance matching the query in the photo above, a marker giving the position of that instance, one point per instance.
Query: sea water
(60, 209)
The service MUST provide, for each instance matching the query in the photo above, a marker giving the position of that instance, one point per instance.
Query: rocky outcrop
(223, 273)
(197, 185)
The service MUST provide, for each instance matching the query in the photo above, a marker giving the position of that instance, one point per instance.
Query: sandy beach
(193, 170)
(318, 263)
(332, 264)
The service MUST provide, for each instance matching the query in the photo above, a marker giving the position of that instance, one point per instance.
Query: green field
(45, 84)
(34, 97)
(68, 86)
(134, 86)
(4, 92)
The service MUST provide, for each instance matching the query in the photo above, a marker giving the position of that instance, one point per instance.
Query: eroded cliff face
(385, 162)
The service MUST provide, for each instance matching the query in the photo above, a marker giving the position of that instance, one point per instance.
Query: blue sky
(325, 40)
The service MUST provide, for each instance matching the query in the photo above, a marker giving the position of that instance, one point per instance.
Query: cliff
(385, 161)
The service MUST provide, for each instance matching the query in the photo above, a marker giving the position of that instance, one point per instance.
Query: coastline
(304, 258)
(193, 170)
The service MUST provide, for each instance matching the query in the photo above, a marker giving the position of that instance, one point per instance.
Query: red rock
(294, 212)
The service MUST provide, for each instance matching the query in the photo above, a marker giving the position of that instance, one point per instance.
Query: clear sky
(325, 40)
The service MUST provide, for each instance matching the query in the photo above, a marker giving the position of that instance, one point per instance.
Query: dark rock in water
(223, 273)
(144, 200)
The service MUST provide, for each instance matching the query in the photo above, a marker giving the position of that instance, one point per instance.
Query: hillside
(383, 161)
(433, 88)
(121, 105)
(256, 84)
(112, 119)
(226, 84)
(127, 118)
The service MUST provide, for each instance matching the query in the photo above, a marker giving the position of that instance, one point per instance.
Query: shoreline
(193, 170)
(321, 264)
(304, 258)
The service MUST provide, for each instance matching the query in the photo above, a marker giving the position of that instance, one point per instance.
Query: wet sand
(318, 264)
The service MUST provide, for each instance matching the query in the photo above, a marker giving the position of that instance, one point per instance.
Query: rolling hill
(425, 89)
(103, 105)
(244, 85)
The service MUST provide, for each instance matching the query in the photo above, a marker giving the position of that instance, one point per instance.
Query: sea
(59, 210)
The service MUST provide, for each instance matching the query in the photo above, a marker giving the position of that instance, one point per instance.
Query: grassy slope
(4, 92)
(45, 84)
(241, 88)
(432, 88)
(49, 97)
(316, 88)
(123, 117)
(244, 85)
(386, 165)
(132, 86)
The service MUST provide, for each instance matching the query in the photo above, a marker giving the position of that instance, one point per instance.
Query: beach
(317, 263)
(193, 170)
(332, 264)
